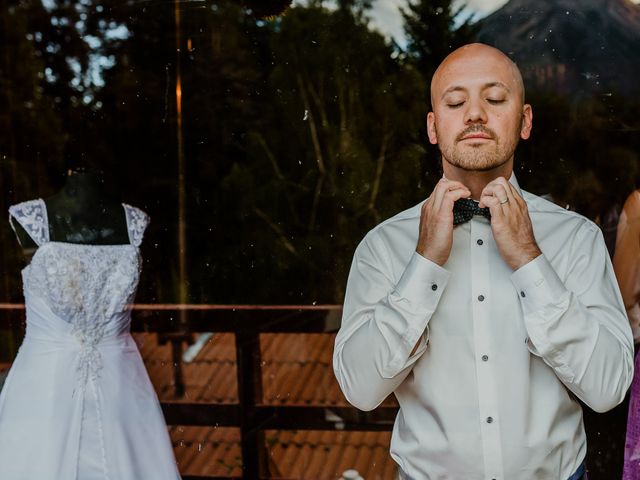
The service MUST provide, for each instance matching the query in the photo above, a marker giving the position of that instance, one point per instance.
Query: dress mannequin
(84, 211)
(78, 392)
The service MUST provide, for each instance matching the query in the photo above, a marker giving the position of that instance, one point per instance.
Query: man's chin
(477, 165)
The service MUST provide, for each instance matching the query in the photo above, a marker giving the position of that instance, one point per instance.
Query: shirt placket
(482, 297)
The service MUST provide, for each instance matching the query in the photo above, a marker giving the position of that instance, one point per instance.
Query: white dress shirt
(490, 392)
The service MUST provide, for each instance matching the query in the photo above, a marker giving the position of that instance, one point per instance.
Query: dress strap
(137, 222)
(32, 216)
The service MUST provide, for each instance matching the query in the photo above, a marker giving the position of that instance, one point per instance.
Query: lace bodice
(88, 286)
(84, 285)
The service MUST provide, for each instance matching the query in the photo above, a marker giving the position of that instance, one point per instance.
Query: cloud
(386, 18)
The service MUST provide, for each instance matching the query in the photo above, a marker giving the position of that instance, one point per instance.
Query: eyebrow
(457, 88)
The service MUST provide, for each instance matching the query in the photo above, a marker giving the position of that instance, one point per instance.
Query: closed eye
(454, 105)
(494, 101)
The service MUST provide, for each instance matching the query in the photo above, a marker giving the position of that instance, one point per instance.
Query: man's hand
(510, 223)
(436, 221)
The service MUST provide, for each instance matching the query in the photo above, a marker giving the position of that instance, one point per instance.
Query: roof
(313, 455)
(296, 370)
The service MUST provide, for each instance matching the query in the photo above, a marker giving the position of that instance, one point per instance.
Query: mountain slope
(572, 47)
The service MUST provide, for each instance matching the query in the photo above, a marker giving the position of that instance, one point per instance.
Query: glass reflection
(265, 138)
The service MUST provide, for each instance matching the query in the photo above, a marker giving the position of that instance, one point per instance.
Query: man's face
(478, 114)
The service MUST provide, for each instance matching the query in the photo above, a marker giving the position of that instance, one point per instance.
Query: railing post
(176, 356)
(249, 372)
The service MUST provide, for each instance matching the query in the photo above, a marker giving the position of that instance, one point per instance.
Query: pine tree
(434, 28)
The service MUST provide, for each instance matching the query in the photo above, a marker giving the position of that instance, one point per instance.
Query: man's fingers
(514, 194)
(499, 188)
(438, 193)
(487, 196)
(509, 190)
(453, 195)
(492, 202)
(445, 186)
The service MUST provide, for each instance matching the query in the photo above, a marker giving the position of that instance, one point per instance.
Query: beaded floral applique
(87, 286)
(137, 222)
(32, 216)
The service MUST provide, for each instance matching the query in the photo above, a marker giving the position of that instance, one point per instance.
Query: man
(488, 330)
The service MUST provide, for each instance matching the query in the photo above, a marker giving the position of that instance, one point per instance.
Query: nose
(475, 112)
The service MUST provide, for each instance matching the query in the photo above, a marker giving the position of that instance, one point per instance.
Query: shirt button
(481, 298)
(479, 241)
(522, 294)
(434, 287)
(485, 358)
(489, 419)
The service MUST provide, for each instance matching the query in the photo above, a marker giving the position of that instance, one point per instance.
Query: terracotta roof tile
(207, 450)
(296, 370)
(325, 455)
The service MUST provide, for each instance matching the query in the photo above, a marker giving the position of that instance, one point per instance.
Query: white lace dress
(77, 403)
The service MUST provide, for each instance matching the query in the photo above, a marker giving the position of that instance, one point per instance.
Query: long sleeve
(626, 260)
(382, 323)
(578, 326)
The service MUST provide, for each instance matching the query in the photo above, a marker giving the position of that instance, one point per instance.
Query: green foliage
(300, 133)
(31, 134)
(350, 117)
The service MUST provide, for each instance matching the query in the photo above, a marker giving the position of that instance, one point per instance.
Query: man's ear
(431, 128)
(527, 121)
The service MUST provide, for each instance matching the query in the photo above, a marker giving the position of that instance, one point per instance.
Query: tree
(30, 138)
(337, 150)
(434, 29)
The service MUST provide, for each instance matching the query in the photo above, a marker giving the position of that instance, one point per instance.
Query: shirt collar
(513, 181)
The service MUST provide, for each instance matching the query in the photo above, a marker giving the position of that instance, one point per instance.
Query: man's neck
(475, 181)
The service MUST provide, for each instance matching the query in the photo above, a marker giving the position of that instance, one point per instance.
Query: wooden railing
(177, 324)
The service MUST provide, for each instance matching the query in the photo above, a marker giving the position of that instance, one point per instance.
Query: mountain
(575, 47)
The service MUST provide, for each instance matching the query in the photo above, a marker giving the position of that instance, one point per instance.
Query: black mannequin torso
(83, 212)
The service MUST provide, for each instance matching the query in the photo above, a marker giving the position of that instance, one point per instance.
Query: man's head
(479, 114)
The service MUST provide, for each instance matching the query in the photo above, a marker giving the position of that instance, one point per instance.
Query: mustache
(477, 128)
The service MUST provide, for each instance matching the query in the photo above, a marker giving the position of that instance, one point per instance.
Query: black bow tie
(465, 208)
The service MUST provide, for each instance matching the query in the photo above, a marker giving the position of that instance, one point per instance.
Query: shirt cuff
(538, 285)
(422, 282)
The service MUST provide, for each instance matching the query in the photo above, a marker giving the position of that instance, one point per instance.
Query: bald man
(486, 310)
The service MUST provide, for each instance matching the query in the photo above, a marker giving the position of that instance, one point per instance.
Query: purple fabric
(632, 443)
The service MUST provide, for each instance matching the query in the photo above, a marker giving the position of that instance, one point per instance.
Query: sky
(386, 14)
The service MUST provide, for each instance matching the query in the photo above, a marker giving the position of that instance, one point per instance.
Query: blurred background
(264, 139)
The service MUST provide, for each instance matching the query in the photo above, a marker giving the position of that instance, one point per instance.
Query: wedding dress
(77, 403)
